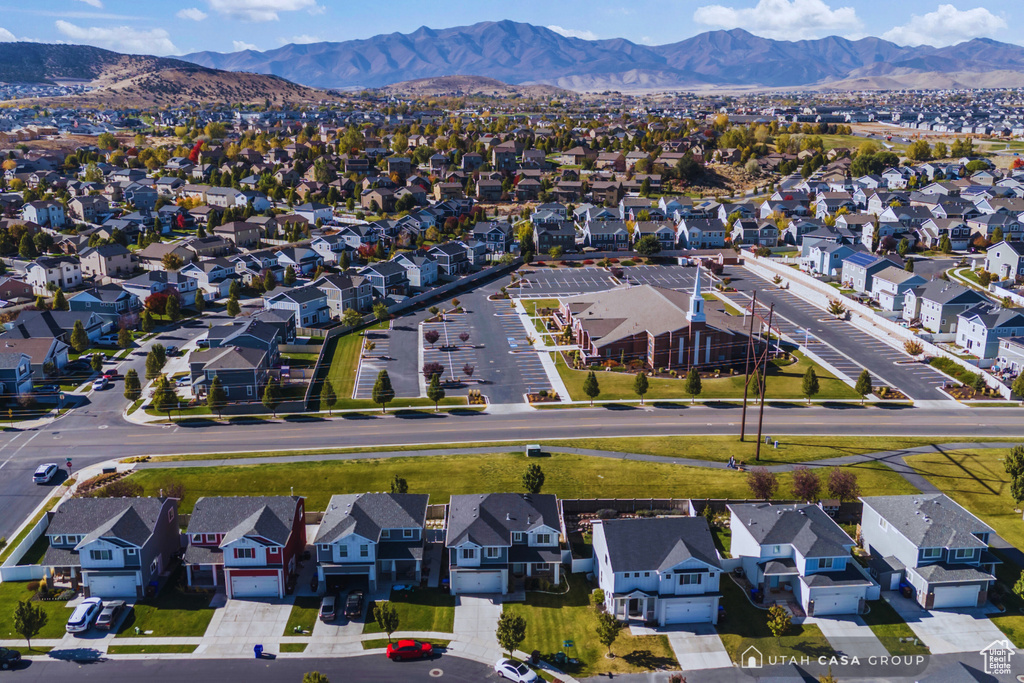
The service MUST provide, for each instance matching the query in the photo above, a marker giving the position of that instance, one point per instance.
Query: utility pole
(764, 385)
(746, 368)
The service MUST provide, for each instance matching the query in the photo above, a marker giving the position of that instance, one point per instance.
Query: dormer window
(931, 553)
(963, 553)
(407, 533)
(385, 533)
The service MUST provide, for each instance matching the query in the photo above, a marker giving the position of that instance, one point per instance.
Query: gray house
(934, 544)
(1006, 260)
(860, 269)
(980, 328)
(371, 535)
(938, 303)
(345, 292)
(111, 547)
(242, 371)
(494, 537)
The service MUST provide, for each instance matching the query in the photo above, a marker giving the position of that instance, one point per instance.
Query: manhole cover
(436, 673)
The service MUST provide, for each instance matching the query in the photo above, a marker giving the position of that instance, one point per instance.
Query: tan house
(108, 260)
(244, 235)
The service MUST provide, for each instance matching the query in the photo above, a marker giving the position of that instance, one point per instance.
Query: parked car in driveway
(45, 473)
(329, 608)
(515, 671)
(409, 649)
(171, 350)
(107, 340)
(354, 604)
(84, 615)
(9, 658)
(112, 611)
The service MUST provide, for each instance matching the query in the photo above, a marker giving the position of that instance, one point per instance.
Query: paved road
(175, 670)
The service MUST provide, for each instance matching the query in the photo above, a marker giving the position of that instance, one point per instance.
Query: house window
(342, 551)
(777, 550)
(492, 553)
(689, 579)
(407, 533)
(543, 539)
(647, 575)
(248, 391)
(824, 563)
(211, 538)
(131, 552)
(245, 553)
(963, 553)
(101, 555)
(468, 553)
(517, 536)
(325, 547)
(385, 533)
(364, 551)
(884, 524)
(59, 540)
(931, 553)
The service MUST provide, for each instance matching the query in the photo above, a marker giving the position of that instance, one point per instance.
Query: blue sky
(166, 27)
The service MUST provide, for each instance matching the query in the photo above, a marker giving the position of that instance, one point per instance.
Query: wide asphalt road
(284, 670)
(88, 443)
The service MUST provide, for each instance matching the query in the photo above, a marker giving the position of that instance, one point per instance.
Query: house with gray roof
(250, 545)
(663, 569)
(15, 372)
(111, 547)
(980, 328)
(494, 538)
(1006, 259)
(937, 303)
(799, 549)
(890, 285)
(371, 535)
(243, 371)
(860, 268)
(932, 543)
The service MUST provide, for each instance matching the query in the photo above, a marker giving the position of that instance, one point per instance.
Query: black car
(111, 613)
(354, 604)
(9, 658)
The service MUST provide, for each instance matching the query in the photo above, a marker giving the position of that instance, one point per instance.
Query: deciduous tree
(693, 385)
(328, 397)
(383, 392)
(533, 478)
(79, 339)
(29, 620)
(811, 385)
(132, 386)
(386, 617)
(216, 397)
(591, 388)
(640, 385)
(762, 483)
(608, 629)
(863, 386)
(842, 484)
(272, 396)
(435, 392)
(806, 484)
(511, 631)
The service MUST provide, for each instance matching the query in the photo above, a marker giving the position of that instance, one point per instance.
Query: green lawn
(422, 609)
(173, 613)
(723, 539)
(568, 476)
(11, 592)
(305, 612)
(891, 630)
(1010, 622)
(150, 649)
(292, 647)
(345, 359)
(745, 625)
(377, 643)
(531, 305)
(783, 383)
(36, 552)
(553, 619)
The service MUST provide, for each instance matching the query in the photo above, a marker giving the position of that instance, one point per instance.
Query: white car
(45, 473)
(100, 384)
(515, 671)
(83, 616)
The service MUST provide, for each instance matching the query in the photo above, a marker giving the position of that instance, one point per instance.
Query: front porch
(635, 606)
(205, 576)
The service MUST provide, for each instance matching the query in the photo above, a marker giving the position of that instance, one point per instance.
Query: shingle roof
(806, 527)
(365, 514)
(658, 543)
(930, 520)
(489, 519)
(129, 519)
(268, 517)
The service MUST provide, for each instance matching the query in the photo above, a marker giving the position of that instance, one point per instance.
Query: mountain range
(521, 53)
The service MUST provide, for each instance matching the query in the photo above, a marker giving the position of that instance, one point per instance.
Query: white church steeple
(696, 312)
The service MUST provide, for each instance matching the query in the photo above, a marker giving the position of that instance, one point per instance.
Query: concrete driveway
(849, 635)
(696, 646)
(476, 621)
(240, 624)
(966, 629)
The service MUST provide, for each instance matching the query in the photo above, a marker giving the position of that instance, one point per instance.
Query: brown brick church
(663, 327)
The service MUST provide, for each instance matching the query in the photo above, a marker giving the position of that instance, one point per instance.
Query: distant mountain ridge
(520, 53)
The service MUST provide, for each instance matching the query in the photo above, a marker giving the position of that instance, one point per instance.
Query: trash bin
(560, 658)
(258, 649)
(535, 657)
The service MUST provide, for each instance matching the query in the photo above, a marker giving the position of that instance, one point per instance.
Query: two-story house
(980, 328)
(606, 235)
(932, 543)
(213, 277)
(330, 247)
(111, 547)
(251, 545)
(308, 303)
(107, 260)
(497, 235)
(801, 550)
(1006, 259)
(242, 234)
(169, 282)
(15, 370)
(938, 304)
(242, 371)
(889, 287)
(859, 269)
(420, 267)
(493, 537)
(345, 291)
(60, 272)
(451, 258)
(386, 278)
(111, 302)
(371, 535)
(663, 569)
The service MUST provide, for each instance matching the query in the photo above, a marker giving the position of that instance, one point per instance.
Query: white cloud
(946, 26)
(783, 19)
(193, 13)
(259, 10)
(6, 36)
(93, 3)
(574, 33)
(303, 39)
(240, 45)
(120, 38)
(317, 10)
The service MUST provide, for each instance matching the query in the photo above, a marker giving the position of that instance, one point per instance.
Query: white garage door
(254, 587)
(956, 596)
(478, 582)
(116, 586)
(835, 603)
(688, 612)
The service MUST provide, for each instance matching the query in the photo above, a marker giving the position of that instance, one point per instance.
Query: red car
(409, 649)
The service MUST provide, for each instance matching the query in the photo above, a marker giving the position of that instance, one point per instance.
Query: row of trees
(840, 484)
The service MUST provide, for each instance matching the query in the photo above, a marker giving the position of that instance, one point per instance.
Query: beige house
(108, 260)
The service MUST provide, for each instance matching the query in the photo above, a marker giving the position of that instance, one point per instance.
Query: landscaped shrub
(628, 262)
(955, 370)
(607, 513)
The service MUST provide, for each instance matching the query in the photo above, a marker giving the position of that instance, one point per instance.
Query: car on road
(112, 611)
(45, 473)
(9, 658)
(100, 384)
(111, 373)
(329, 608)
(354, 604)
(83, 616)
(409, 649)
(171, 350)
(515, 671)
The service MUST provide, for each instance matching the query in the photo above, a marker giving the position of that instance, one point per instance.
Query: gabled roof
(365, 514)
(268, 517)
(658, 544)
(131, 520)
(806, 527)
(930, 520)
(488, 519)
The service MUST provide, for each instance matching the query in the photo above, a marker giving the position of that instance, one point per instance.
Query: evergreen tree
(289, 276)
(640, 385)
(96, 362)
(172, 309)
(26, 249)
(272, 396)
(328, 398)
(693, 385)
(233, 309)
(383, 392)
(147, 322)
(863, 386)
(591, 388)
(79, 339)
(132, 386)
(60, 303)
(435, 392)
(810, 384)
(124, 338)
(200, 303)
(216, 397)
(164, 398)
(41, 303)
(269, 281)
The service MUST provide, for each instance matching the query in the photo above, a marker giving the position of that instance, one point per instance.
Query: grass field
(568, 476)
(783, 383)
(173, 613)
(11, 592)
(553, 619)
(150, 649)
(891, 630)
(304, 614)
(418, 610)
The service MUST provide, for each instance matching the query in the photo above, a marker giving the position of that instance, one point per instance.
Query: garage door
(254, 587)
(956, 596)
(478, 582)
(836, 603)
(688, 612)
(112, 586)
